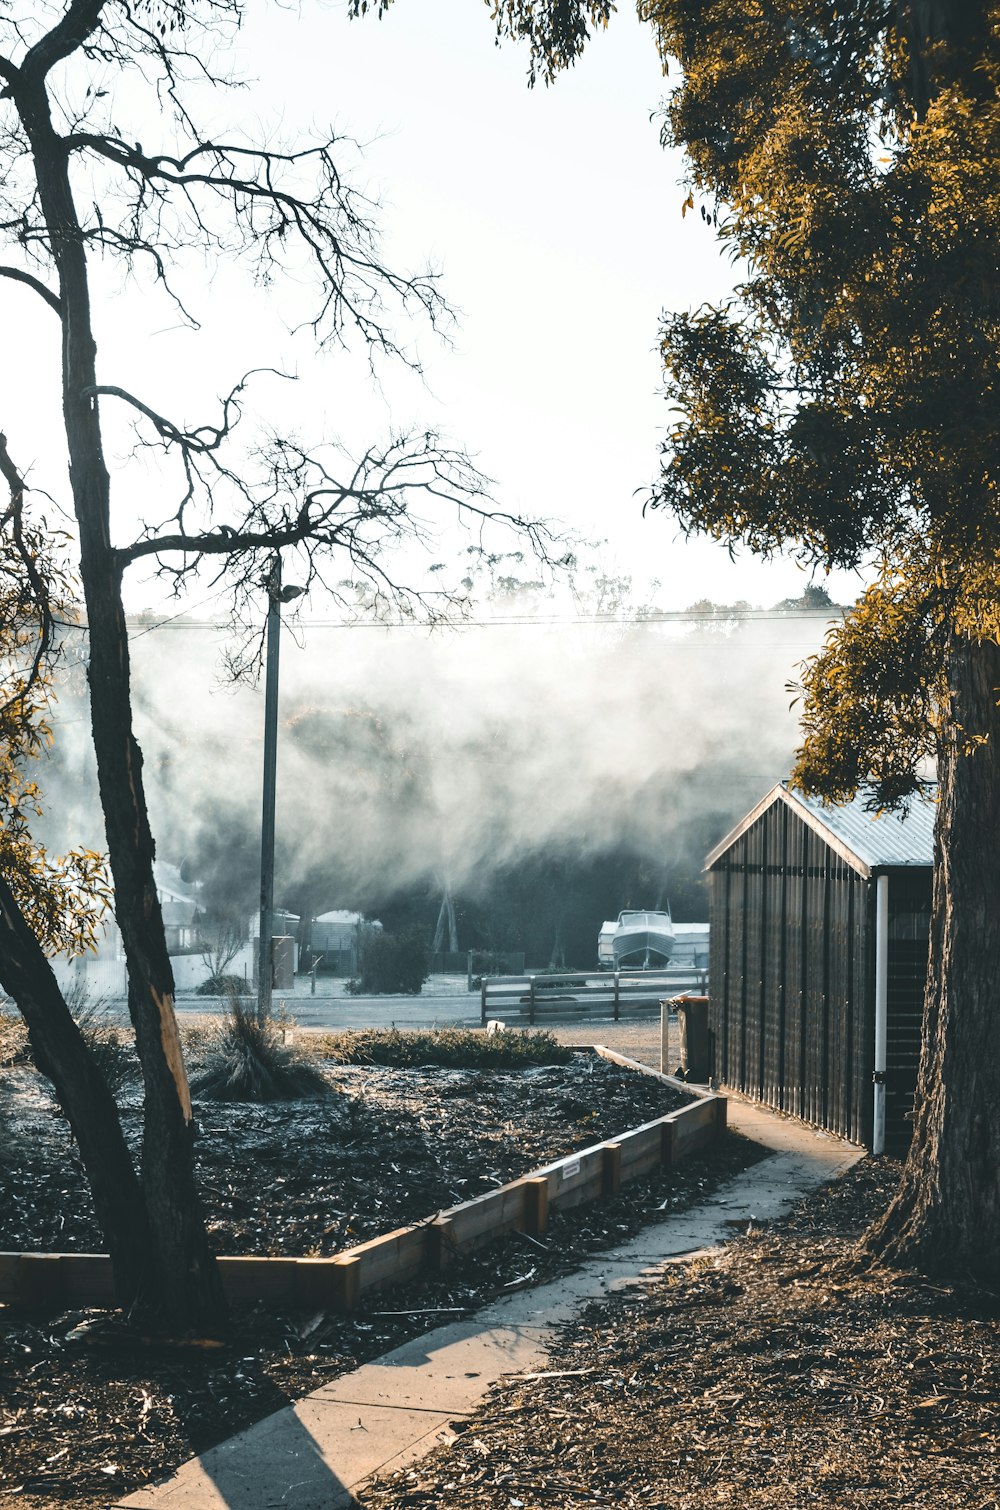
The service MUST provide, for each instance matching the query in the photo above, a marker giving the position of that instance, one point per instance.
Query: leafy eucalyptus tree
(83, 83)
(845, 402)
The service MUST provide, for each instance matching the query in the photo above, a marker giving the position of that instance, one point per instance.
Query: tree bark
(190, 1290)
(61, 1054)
(945, 1216)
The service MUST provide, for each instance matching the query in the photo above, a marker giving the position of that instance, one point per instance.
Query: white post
(881, 1008)
(665, 1038)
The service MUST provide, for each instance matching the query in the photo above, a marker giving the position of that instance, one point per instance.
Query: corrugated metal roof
(877, 839)
(869, 841)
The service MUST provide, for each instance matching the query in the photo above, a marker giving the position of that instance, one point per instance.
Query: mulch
(87, 1414)
(774, 1374)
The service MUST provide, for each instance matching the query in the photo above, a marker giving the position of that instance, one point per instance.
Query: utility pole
(265, 971)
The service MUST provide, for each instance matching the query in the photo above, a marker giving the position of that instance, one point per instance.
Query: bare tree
(447, 923)
(76, 182)
(220, 945)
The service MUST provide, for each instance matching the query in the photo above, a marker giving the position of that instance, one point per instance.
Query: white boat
(642, 940)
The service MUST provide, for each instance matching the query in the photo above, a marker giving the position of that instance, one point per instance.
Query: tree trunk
(190, 1290)
(557, 958)
(945, 1216)
(61, 1054)
(446, 925)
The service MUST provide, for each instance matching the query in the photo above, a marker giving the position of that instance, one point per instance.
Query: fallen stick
(427, 1311)
(558, 1373)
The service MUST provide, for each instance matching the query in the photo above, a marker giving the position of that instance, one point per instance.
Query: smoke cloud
(409, 757)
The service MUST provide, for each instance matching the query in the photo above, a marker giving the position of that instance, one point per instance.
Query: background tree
(220, 942)
(52, 904)
(844, 403)
(77, 182)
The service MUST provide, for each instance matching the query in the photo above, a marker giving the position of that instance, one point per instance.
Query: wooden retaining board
(339, 1281)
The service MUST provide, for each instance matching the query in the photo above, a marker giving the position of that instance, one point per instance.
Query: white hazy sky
(554, 216)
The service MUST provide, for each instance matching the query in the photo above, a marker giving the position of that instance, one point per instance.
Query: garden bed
(311, 1178)
(83, 1422)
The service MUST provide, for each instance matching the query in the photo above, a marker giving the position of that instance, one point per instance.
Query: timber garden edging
(338, 1282)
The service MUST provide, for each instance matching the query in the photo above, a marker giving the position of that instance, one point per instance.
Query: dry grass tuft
(243, 1060)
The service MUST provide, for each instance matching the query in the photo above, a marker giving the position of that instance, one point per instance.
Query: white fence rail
(617, 994)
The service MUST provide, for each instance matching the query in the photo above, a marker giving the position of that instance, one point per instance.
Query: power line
(138, 628)
(163, 623)
(529, 621)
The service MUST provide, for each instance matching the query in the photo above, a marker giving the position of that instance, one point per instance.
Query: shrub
(450, 1048)
(392, 964)
(243, 1060)
(221, 985)
(488, 962)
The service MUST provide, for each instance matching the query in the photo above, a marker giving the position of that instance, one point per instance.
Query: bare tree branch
(275, 199)
(298, 501)
(65, 38)
(204, 437)
(19, 276)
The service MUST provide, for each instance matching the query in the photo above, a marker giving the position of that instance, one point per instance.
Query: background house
(336, 940)
(820, 921)
(179, 905)
(100, 973)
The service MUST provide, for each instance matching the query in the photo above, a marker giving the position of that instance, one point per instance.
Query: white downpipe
(881, 1008)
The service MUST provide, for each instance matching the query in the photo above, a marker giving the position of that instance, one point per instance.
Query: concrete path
(315, 1454)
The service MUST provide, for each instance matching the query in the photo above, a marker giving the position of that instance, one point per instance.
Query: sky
(554, 217)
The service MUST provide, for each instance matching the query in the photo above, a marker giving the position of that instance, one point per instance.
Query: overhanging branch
(203, 438)
(272, 206)
(19, 276)
(219, 542)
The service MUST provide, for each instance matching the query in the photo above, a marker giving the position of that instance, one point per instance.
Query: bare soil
(87, 1413)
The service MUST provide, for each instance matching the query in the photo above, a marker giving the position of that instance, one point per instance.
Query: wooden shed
(820, 920)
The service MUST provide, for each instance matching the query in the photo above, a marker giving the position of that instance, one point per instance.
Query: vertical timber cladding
(755, 891)
(793, 955)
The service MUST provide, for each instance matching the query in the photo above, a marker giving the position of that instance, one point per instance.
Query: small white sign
(573, 1167)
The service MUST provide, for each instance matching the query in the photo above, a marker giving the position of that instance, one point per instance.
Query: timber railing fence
(613, 993)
